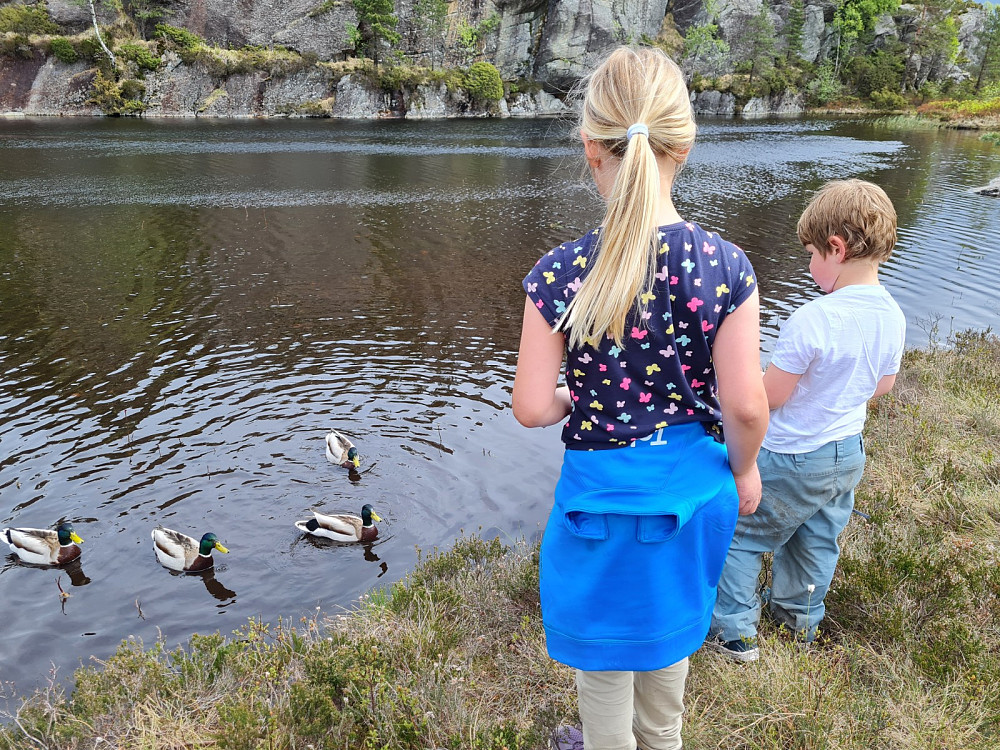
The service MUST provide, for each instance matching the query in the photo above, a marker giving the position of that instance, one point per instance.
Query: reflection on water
(187, 308)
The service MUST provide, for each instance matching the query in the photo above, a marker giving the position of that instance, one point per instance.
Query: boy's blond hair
(858, 212)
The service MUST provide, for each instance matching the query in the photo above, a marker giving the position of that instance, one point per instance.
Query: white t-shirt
(842, 344)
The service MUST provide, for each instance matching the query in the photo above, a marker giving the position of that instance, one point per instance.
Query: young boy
(833, 354)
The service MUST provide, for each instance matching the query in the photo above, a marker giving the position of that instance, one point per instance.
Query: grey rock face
(577, 33)
(766, 106)
(713, 103)
(357, 101)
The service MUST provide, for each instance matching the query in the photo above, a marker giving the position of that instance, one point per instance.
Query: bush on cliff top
(483, 82)
(63, 50)
(26, 19)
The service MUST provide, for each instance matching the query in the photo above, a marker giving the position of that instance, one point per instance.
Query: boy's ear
(837, 246)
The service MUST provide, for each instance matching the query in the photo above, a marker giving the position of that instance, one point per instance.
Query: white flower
(811, 587)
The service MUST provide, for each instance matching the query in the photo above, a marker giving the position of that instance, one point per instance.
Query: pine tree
(432, 17)
(793, 29)
(759, 43)
(376, 25)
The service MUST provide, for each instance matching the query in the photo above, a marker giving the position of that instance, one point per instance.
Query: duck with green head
(341, 451)
(183, 553)
(44, 546)
(342, 527)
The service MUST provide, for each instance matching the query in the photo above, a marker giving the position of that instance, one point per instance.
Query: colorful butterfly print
(688, 247)
(578, 373)
(695, 383)
(674, 280)
(687, 264)
(611, 427)
(689, 226)
(649, 383)
(664, 248)
(721, 289)
(685, 368)
(647, 315)
(602, 367)
(682, 324)
(675, 396)
(557, 265)
(585, 425)
(649, 408)
(621, 404)
(645, 297)
(597, 405)
(683, 340)
(660, 425)
(586, 358)
(708, 249)
(624, 417)
(606, 382)
(593, 392)
(644, 398)
(670, 330)
(626, 382)
(690, 412)
(644, 346)
(706, 326)
(713, 262)
(560, 306)
(575, 396)
(581, 260)
(718, 309)
(650, 369)
(668, 352)
(539, 304)
(697, 282)
(532, 287)
(549, 276)
(672, 409)
(575, 284)
(694, 304)
(614, 351)
(662, 275)
(637, 334)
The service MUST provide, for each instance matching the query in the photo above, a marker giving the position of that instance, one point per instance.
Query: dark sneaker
(566, 737)
(743, 650)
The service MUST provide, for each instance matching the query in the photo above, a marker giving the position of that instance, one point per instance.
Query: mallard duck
(181, 552)
(44, 546)
(341, 451)
(342, 527)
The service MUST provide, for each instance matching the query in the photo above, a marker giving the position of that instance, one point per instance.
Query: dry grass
(908, 657)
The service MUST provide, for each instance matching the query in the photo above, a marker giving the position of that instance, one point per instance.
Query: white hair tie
(636, 129)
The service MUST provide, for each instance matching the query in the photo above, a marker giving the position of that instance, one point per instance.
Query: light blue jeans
(807, 502)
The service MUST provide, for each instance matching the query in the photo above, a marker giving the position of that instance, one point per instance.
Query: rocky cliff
(551, 43)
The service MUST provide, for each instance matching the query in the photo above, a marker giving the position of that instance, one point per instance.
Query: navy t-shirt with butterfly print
(663, 374)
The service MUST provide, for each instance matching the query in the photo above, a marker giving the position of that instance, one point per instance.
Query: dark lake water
(187, 307)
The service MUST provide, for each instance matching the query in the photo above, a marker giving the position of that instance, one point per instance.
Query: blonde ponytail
(632, 86)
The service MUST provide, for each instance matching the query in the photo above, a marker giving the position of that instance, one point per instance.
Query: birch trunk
(97, 30)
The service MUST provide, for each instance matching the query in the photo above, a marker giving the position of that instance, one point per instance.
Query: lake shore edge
(454, 655)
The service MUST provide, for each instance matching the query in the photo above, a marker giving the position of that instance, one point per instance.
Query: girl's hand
(749, 489)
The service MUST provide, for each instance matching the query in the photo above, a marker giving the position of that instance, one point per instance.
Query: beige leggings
(622, 709)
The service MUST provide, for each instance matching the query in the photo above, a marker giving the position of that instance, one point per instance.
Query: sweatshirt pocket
(659, 515)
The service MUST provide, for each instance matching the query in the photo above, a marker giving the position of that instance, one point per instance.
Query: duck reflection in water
(213, 585)
(370, 556)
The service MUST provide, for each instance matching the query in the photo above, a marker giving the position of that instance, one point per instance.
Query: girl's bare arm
(538, 401)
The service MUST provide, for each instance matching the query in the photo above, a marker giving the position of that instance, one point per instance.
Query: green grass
(453, 657)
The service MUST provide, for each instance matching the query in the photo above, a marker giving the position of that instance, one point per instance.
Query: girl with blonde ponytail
(657, 320)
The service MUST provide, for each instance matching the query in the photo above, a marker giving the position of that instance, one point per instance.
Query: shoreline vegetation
(454, 656)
